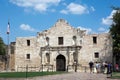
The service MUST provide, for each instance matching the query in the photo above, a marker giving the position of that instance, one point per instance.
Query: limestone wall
(103, 47)
(22, 50)
(47, 42)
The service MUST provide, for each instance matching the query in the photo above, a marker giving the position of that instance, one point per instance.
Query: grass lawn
(116, 75)
(25, 75)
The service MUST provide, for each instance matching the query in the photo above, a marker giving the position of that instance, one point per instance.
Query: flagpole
(8, 46)
(8, 53)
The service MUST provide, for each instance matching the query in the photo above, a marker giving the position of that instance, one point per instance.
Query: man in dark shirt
(91, 66)
(109, 70)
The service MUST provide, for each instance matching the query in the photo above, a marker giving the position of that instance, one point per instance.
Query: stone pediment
(61, 27)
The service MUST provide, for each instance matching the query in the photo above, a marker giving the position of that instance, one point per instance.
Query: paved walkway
(69, 76)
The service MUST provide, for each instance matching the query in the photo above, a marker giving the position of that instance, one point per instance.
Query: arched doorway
(60, 63)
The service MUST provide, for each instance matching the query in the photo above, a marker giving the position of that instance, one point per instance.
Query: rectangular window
(28, 42)
(95, 40)
(27, 56)
(60, 40)
(96, 54)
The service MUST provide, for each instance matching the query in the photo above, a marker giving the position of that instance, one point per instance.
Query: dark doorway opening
(60, 63)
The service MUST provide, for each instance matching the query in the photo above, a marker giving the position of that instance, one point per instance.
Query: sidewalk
(69, 76)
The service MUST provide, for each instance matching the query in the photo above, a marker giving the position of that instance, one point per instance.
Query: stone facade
(12, 56)
(2, 63)
(61, 48)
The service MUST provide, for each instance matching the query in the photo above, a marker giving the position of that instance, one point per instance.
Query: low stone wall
(73, 68)
(70, 68)
(28, 68)
(2, 66)
(35, 68)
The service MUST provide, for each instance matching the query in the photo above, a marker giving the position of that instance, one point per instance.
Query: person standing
(91, 66)
(109, 70)
(97, 67)
(106, 64)
(103, 67)
(95, 70)
(116, 67)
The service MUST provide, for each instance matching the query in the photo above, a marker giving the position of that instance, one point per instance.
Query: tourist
(116, 67)
(91, 66)
(106, 64)
(109, 70)
(103, 67)
(98, 67)
(95, 70)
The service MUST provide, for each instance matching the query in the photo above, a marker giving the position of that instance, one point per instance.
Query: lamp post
(26, 71)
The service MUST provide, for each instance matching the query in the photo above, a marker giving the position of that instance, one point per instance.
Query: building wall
(2, 63)
(40, 46)
(22, 50)
(103, 47)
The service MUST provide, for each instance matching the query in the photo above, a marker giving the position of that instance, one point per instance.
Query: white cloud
(53, 10)
(38, 5)
(108, 19)
(101, 29)
(74, 8)
(64, 11)
(92, 8)
(26, 27)
(88, 30)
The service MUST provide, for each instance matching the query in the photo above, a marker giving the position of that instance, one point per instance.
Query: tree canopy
(115, 31)
(2, 47)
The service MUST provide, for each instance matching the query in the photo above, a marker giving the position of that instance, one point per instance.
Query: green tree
(2, 47)
(115, 32)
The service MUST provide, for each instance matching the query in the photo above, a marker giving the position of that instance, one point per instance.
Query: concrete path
(69, 76)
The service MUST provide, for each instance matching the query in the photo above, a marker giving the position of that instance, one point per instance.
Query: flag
(8, 28)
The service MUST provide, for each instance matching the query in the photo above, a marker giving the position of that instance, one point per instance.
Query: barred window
(27, 56)
(95, 40)
(96, 54)
(28, 42)
(60, 40)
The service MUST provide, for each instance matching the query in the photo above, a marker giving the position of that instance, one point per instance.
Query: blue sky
(27, 17)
